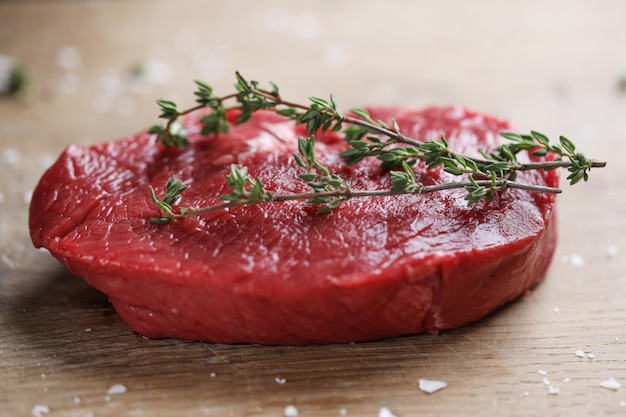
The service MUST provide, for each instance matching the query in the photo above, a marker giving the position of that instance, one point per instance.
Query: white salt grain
(556, 310)
(116, 389)
(47, 160)
(212, 374)
(525, 394)
(76, 400)
(610, 383)
(7, 64)
(546, 381)
(68, 58)
(622, 403)
(612, 252)
(11, 156)
(290, 411)
(385, 412)
(110, 84)
(431, 386)
(7, 261)
(336, 55)
(577, 260)
(566, 380)
(552, 390)
(39, 410)
(27, 196)
(343, 412)
(280, 381)
(580, 353)
(305, 26)
(591, 355)
(542, 372)
(158, 72)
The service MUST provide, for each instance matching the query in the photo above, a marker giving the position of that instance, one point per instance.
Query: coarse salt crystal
(68, 57)
(610, 383)
(546, 381)
(76, 400)
(280, 381)
(7, 64)
(611, 252)
(47, 160)
(27, 196)
(39, 410)
(385, 412)
(305, 26)
(431, 386)
(552, 390)
(622, 403)
(336, 55)
(343, 412)
(591, 355)
(525, 393)
(116, 389)
(566, 380)
(542, 372)
(158, 72)
(7, 261)
(577, 260)
(556, 310)
(11, 156)
(290, 411)
(580, 353)
(110, 83)
(212, 374)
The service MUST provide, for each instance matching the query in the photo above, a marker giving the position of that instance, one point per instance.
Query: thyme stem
(191, 212)
(365, 138)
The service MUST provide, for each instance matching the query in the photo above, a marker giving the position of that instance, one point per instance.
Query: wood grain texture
(545, 65)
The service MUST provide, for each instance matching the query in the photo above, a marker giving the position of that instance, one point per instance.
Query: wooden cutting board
(547, 67)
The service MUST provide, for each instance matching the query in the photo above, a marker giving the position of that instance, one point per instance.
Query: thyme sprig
(366, 138)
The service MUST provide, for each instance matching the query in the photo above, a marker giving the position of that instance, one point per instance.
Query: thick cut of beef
(280, 273)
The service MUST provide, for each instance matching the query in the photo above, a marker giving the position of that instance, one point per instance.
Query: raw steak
(280, 273)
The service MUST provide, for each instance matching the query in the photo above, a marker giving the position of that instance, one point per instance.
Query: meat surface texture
(280, 273)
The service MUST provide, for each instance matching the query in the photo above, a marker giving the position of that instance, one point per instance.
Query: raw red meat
(279, 273)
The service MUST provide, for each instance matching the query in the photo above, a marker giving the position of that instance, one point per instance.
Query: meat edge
(427, 294)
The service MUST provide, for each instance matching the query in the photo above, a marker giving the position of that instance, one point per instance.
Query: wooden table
(547, 65)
